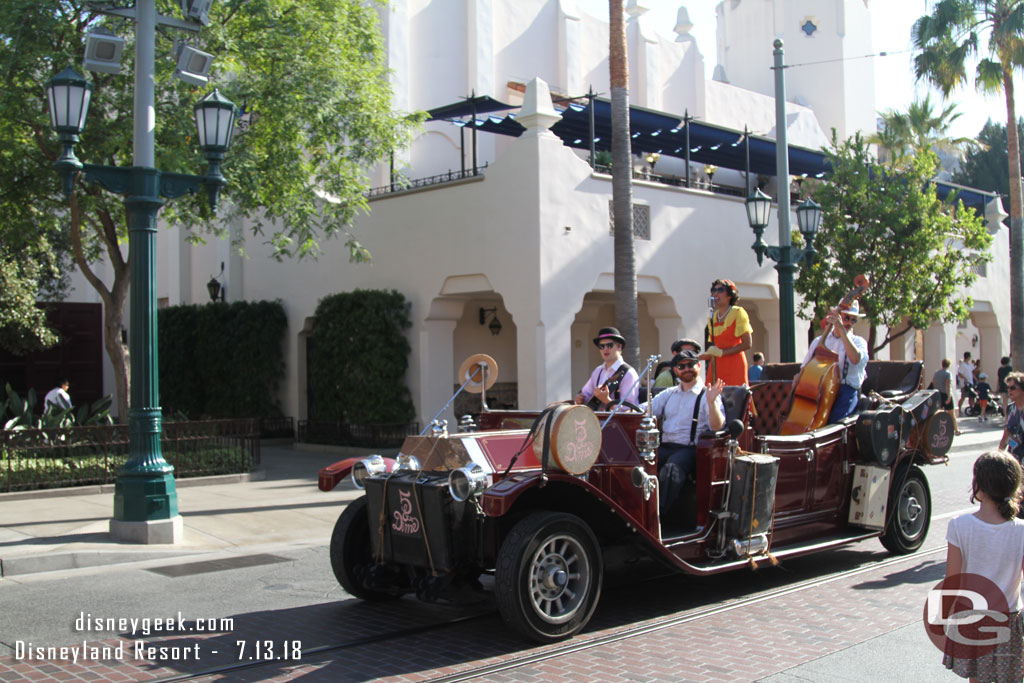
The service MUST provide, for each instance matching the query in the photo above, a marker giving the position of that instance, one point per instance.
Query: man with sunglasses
(853, 358)
(613, 379)
(666, 378)
(684, 412)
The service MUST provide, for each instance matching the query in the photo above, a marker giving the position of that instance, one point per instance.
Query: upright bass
(818, 381)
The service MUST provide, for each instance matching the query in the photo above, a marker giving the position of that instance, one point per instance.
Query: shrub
(361, 358)
(222, 360)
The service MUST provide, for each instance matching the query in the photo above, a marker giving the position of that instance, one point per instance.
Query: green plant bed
(55, 468)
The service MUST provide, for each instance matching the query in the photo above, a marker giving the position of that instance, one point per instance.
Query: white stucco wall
(530, 237)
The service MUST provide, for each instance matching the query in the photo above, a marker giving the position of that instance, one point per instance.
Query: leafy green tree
(309, 79)
(986, 166)
(888, 224)
(626, 311)
(946, 40)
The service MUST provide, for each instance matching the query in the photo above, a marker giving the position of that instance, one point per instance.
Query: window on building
(641, 221)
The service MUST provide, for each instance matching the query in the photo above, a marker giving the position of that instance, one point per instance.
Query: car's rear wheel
(548, 576)
(351, 553)
(910, 511)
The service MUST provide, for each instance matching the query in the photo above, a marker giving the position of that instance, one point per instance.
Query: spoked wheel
(548, 576)
(910, 512)
(351, 553)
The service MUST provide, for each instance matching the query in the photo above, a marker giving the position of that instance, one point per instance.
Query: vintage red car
(543, 509)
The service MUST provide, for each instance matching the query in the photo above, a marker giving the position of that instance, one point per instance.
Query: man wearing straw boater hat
(612, 380)
(853, 358)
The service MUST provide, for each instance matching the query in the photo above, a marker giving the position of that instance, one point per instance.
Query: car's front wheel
(548, 576)
(910, 511)
(351, 553)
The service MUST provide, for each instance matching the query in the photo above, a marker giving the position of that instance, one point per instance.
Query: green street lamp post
(808, 215)
(145, 499)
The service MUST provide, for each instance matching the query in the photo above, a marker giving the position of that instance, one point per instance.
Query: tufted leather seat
(771, 400)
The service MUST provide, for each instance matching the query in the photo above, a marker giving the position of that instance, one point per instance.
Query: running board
(795, 550)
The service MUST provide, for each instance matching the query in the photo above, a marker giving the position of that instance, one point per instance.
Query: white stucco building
(529, 236)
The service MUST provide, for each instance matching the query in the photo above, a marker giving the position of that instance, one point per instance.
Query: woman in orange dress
(728, 336)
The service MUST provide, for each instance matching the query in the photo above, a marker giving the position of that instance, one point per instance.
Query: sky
(895, 86)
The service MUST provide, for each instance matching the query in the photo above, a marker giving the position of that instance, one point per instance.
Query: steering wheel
(629, 404)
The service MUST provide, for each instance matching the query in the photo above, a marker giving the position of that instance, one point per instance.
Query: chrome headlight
(366, 468)
(466, 482)
(407, 462)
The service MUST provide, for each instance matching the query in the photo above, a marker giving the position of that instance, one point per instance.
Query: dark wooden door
(78, 356)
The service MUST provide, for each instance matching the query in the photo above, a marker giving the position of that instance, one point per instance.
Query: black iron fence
(277, 428)
(360, 435)
(77, 456)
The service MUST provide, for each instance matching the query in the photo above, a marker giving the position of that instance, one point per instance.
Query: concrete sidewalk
(278, 503)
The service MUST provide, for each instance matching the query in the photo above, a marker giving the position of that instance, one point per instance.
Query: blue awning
(662, 133)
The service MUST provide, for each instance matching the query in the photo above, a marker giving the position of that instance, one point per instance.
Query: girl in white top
(990, 542)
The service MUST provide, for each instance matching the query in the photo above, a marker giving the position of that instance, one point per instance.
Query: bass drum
(935, 436)
(575, 438)
(879, 434)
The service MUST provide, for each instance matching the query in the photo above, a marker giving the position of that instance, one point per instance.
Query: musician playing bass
(613, 379)
(853, 358)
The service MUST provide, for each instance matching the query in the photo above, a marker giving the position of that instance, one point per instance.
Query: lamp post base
(146, 509)
(155, 531)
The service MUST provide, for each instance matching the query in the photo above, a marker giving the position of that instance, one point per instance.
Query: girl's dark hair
(998, 475)
(734, 294)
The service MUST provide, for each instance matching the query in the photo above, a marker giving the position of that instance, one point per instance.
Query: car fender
(333, 474)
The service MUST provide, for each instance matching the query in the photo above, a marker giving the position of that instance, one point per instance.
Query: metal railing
(277, 428)
(696, 182)
(335, 433)
(404, 184)
(77, 456)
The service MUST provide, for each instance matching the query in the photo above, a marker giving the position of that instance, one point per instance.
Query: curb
(94, 489)
(81, 559)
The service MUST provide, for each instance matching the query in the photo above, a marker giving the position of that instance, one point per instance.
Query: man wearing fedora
(853, 358)
(612, 380)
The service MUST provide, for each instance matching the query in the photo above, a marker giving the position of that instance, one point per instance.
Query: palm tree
(945, 40)
(622, 186)
(908, 133)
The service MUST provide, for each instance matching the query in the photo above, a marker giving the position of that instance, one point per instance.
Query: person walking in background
(942, 382)
(754, 373)
(984, 390)
(1004, 369)
(727, 335)
(990, 543)
(58, 397)
(965, 379)
(1013, 432)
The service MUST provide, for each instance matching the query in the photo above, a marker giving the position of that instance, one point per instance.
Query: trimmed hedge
(361, 358)
(222, 359)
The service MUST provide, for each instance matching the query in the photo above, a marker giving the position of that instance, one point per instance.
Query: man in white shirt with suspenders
(684, 412)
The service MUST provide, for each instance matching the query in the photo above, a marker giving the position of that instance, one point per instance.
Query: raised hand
(715, 390)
